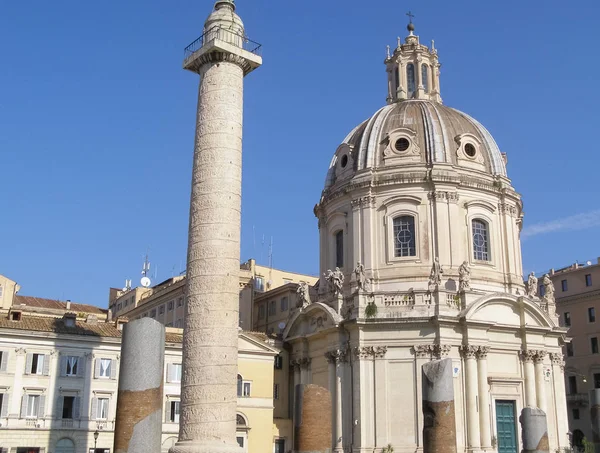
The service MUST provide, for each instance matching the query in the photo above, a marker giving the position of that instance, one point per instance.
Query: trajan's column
(222, 56)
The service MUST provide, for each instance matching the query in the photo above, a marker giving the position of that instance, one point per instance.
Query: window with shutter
(3, 361)
(46, 365)
(77, 407)
(174, 412)
(113, 369)
(94, 411)
(28, 363)
(63, 366)
(4, 404)
(41, 406)
(104, 368)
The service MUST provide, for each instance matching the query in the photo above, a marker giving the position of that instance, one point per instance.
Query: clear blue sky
(97, 124)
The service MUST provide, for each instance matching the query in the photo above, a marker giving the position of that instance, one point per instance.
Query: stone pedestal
(138, 426)
(439, 423)
(534, 430)
(595, 417)
(312, 421)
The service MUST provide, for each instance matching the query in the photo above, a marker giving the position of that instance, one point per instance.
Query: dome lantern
(413, 70)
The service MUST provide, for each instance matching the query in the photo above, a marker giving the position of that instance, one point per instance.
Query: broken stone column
(439, 424)
(312, 420)
(595, 417)
(534, 430)
(138, 425)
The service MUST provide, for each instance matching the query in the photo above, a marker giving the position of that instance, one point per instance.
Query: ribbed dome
(414, 132)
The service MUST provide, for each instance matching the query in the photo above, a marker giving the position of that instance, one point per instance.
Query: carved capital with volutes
(558, 359)
(482, 352)
(364, 352)
(379, 352)
(528, 356)
(441, 351)
(540, 355)
(468, 351)
(423, 351)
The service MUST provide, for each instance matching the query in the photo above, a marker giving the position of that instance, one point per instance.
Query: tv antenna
(145, 280)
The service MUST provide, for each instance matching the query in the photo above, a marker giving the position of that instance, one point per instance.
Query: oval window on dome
(470, 150)
(344, 161)
(402, 144)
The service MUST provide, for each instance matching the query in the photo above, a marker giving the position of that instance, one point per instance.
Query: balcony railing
(578, 399)
(227, 36)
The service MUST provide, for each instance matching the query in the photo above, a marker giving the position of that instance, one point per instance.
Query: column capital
(422, 351)
(20, 351)
(528, 355)
(369, 352)
(468, 351)
(558, 359)
(441, 351)
(540, 354)
(379, 352)
(482, 352)
(336, 356)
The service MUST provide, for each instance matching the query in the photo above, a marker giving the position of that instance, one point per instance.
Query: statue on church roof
(532, 283)
(361, 278)
(548, 289)
(435, 277)
(464, 277)
(335, 280)
(303, 294)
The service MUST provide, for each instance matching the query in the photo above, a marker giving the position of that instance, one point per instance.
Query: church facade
(420, 259)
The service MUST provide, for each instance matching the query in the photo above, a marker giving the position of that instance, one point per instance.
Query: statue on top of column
(532, 283)
(464, 277)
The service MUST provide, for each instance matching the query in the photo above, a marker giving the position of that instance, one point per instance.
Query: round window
(402, 144)
(470, 150)
(344, 161)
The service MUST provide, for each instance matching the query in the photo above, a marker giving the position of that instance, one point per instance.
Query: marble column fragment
(138, 426)
(595, 417)
(439, 429)
(534, 430)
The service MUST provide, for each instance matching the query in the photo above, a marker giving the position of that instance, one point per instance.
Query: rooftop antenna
(145, 280)
(270, 282)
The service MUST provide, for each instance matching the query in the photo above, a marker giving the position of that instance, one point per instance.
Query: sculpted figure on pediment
(532, 283)
(303, 294)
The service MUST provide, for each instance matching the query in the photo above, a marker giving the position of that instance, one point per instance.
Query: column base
(205, 447)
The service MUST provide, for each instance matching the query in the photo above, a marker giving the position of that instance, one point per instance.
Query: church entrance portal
(506, 427)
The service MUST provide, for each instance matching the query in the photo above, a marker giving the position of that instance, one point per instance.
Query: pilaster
(471, 388)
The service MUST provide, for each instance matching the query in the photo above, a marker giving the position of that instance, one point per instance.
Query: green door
(506, 427)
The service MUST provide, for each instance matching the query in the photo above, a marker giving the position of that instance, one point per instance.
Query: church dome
(417, 132)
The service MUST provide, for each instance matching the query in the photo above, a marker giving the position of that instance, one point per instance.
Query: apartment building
(59, 383)
(577, 290)
(165, 301)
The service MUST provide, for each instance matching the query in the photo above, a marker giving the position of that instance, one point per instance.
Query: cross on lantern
(410, 16)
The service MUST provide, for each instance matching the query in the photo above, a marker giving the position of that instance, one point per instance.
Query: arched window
(425, 77)
(481, 240)
(240, 420)
(240, 385)
(404, 236)
(65, 445)
(339, 249)
(410, 79)
(397, 78)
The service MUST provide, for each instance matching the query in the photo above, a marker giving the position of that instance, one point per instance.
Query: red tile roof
(57, 325)
(37, 302)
